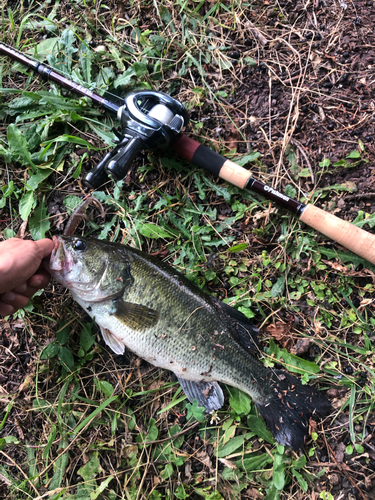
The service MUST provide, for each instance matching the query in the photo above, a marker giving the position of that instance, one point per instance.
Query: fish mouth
(59, 260)
(67, 269)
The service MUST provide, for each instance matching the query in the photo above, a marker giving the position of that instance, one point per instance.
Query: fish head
(92, 269)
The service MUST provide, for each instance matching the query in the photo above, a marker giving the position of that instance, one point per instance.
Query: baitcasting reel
(149, 120)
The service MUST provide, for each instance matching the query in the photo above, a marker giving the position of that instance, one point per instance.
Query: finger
(15, 299)
(40, 279)
(21, 288)
(45, 247)
(6, 309)
(25, 290)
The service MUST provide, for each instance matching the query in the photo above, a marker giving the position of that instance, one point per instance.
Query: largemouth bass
(152, 309)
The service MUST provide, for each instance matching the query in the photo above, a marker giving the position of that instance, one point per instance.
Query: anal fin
(113, 342)
(208, 394)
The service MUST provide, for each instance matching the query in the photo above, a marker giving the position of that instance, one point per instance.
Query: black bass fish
(147, 306)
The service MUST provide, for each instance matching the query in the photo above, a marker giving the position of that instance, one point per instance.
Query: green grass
(99, 430)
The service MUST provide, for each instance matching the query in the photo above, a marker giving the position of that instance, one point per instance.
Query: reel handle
(97, 176)
(119, 165)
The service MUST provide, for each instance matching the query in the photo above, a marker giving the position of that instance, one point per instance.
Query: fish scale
(177, 346)
(148, 307)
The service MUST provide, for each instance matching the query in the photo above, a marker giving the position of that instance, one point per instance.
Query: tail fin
(288, 413)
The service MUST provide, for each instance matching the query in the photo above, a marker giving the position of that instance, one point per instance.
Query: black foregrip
(208, 159)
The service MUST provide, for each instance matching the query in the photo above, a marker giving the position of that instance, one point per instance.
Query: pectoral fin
(135, 316)
(208, 394)
(113, 342)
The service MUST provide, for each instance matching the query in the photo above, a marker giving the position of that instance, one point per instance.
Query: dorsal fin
(241, 328)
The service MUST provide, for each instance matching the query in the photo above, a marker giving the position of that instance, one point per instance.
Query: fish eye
(80, 246)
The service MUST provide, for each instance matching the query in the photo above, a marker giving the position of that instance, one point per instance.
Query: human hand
(20, 272)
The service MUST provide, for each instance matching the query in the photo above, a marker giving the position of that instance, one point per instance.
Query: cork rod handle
(345, 233)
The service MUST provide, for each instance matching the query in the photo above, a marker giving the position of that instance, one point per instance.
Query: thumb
(45, 247)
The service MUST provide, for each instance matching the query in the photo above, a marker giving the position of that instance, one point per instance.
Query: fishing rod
(151, 120)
